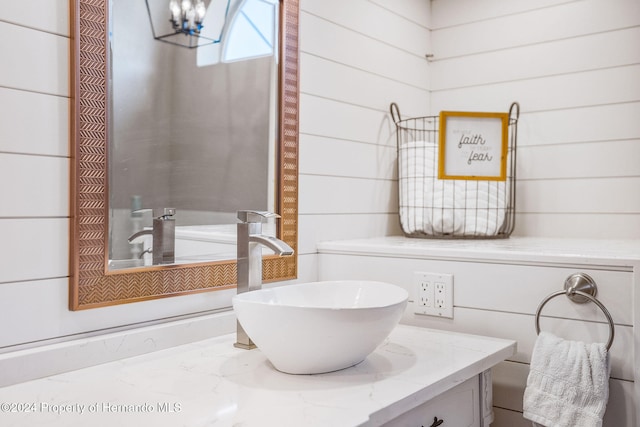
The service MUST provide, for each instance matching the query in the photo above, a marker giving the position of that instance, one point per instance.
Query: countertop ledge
(521, 250)
(211, 383)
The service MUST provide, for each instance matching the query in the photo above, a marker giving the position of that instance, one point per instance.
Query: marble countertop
(211, 383)
(623, 253)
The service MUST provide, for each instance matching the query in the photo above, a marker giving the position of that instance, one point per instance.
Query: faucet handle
(163, 213)
(256, 216)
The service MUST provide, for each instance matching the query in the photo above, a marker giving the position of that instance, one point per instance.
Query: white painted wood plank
(418, 11)
(329, 156)
(33, 249)
(318, 228)
(327, 40)
(506, 288)
(599, 195)
(39, 185)
(521, 288)
(562, 21)
(33, 123)
(578, 225)
(377, 22)
(46, 15)
(331, 119)
(331, 195)
(591, 52)
(609, 159)
(584, 124)
(339, 82)
(447, 13)
(48, 317)
(521, 328)
(34, 60)
(599, 87)
(510, 381)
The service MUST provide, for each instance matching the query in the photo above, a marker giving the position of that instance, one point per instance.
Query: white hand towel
(568, 383)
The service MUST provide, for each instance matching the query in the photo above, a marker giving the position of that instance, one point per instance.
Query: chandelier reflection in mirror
(187, 17)
(186, 21)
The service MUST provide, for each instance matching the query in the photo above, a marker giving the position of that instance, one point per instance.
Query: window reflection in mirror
(190, 129)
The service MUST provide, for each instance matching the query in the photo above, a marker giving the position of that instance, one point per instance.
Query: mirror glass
(193, 125)
(176, 146)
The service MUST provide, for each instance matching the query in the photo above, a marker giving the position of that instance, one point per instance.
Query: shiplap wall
(352, 67)
(500, 299)
(34, 192)
(574, 67)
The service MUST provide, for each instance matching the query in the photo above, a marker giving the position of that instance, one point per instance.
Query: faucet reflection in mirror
(163, 235)
(250, 240)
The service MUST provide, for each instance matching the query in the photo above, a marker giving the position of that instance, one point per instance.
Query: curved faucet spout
(249, 266)
(273, 243)
(134, 236)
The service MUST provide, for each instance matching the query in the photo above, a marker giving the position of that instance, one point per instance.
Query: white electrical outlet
(426, 291)
(434, 294)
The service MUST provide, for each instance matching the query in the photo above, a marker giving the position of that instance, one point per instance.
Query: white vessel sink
(320, 327)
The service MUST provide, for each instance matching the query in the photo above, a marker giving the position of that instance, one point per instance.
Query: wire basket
(450, 208)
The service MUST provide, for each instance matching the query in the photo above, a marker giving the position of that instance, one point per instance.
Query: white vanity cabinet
(465, 405)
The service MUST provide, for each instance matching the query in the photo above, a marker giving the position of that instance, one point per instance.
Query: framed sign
(473, 146)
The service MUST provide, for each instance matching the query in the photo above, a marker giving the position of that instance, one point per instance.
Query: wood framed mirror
(92, 284)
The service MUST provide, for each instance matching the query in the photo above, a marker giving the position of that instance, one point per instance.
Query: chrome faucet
(250, 240)
(163, 234)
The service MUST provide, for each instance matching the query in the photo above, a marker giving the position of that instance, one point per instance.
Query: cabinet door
(458, 407)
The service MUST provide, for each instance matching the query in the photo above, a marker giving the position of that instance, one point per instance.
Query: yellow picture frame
(473, 146)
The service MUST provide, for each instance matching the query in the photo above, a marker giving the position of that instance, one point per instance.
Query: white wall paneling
(33, 123)
(33, 248)
(597, 123)
(44, 179)
(588, 88)
(599, 195)
(449, 13)
(366, 16)
(324, 117)
(615, 159)
(326, 227)
(500, 299)
(39, 313)
(330, 156)
(347, 195)
(34, 60)
(507, 308)
(45, 15)
(577, 86)
(590, 52)
(497, 30)
(338, 82)
(349, 116)
(326, 39)
(578, 225)
(413, 10)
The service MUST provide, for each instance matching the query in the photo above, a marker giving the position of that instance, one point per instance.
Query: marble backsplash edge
(29, 364)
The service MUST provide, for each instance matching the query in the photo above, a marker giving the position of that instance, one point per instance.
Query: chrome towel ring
(579, 288)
